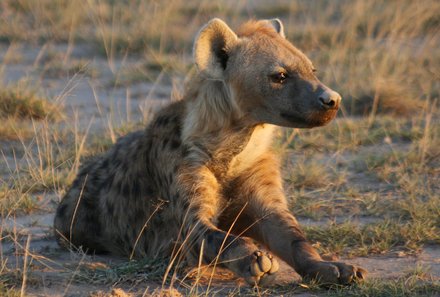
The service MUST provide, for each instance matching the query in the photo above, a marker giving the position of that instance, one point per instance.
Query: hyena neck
(216, 129)
(210, 109)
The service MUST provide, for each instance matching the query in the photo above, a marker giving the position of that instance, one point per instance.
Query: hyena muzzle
(201, 179)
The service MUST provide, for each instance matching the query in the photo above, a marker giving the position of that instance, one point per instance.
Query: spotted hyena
(201, 179)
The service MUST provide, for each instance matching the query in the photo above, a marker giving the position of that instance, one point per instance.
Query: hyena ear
(212, 48)
(277, 25)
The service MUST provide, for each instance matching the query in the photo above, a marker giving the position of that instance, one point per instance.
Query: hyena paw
(262, 268)
(327, 273)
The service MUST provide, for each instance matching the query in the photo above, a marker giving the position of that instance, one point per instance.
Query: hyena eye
(279, 77)
(314, 70)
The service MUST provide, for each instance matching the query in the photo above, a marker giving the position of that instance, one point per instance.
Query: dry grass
(417, 282)
(20, 104)
(366, 50)
(22, 101)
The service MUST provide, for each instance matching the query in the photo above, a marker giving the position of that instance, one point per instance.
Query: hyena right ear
(277, 25)
(212, 48)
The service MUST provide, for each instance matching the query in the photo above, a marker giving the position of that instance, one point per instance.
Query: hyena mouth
(313, 119)
(292, 117)
(322, 118)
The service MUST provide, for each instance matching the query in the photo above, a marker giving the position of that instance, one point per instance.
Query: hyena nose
(330, 99)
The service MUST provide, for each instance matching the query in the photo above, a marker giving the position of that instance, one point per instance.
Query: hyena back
(201, 178)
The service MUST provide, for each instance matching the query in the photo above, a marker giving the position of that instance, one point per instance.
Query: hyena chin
(201, 180)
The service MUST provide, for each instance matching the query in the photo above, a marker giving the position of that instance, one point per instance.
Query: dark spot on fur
(186, 151)
(135, 187)
(87, 202)
(175, 144)
(210, 239)
(148, 145)
(154, 154)
(105, 164)
(61, 211)
(116, 162)
(170, 178)
(159, 182)
(149, 190)
(174, 119)
(93, 226)
(165, 142)
(76, 183)
(162, 121)
(127, 238)
(139, 214)
(110, 209)
(116, 149)
(95, 180)
(137, 218)
(119, 241)
(126, 191)
(124, 165)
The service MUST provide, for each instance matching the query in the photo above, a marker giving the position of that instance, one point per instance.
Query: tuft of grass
(10, 281)
(129, 272)
(58, 69)
(413, 284)
(351, 133)
(373, 238)
(418, 282)
(7, 291)
(316, 173)
(23, 102)
(154, 64)
(13, 129)
(14, 201)
(309, 174)
(52, 63)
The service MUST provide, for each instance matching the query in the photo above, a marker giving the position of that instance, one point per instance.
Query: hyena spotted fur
(201, 178)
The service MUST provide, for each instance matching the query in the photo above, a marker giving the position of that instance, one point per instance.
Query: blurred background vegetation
(382, 56)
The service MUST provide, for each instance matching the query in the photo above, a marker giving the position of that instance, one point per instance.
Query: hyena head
(269, 79)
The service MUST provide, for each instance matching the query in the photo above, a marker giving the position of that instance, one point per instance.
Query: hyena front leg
(218, 247)
(268, 220)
